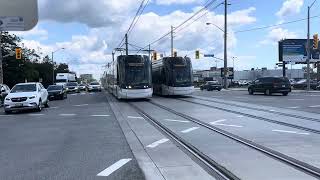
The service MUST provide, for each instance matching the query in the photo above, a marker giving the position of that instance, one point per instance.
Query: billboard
(294, 50)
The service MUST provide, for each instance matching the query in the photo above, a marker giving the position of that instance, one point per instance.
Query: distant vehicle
(269, 85)
(72, 87)
(211, 85)
(129, 77)
(26, 96)
(82, 87)
(172, 76)
(4, 91)
(302, 84)
(57, 92)
(94, 86)
(64, 78)
(243, 83)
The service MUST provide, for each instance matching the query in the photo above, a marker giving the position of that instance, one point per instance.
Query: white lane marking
(293, 107)
(229, 125)
(6, 115)
(190, 129)
(292, 132)
(135, 117)
(217, 121)
(272, 110)
(296, 99)
(114, 167)
(54, 107)
(100, 115)
(80, 105)
(157, 143)
(240, 116)
(73, 94)
(91, 93)
(174, 120)
(35, 114)
(67, 114)
(314, 106)
(83, 93)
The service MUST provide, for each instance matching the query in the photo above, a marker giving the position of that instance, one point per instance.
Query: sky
(90, 30)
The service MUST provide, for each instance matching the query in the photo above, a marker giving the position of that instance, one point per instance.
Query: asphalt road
(77, 138)
(309, 102)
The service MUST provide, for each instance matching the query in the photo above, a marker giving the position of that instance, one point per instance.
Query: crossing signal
(154, 56)
(18, 53)
(315, 41)
(197, 54)
(175, 54)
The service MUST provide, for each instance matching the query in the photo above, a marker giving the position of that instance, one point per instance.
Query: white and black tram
(172, 76)
(129, 77)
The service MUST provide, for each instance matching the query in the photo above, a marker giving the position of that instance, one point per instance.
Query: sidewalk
(294, 90)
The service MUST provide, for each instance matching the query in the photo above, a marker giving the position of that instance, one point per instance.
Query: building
(86, 78)
(264, 72)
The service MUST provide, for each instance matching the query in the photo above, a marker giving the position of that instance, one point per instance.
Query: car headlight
(67, 88)
(32, 97)
(75, 88)
(8, 99)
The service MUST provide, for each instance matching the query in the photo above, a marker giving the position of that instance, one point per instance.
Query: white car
(94, 86)
(26, 96)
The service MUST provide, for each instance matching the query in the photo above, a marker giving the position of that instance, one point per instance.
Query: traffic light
(175, 54)
(197, 54)
(154, 56)
(18, 53)
(315, 41)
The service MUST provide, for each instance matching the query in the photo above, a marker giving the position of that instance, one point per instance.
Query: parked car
(26, 96)
(302, 84)
(72, 87)
(243, 83)
(82, 87)
(269, 85)
(211, 85)
(57, 92)
(4, 91)
(94, 86)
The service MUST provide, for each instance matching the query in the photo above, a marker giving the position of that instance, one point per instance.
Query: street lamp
(209, 23)
(53, 62)
(308, 47)
(233, 58)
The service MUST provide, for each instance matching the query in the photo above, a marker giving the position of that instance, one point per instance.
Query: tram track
(297, 164)
(217, 169)
(259, 109)
(253, 116)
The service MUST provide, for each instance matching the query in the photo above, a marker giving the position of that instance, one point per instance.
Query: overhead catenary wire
(206, 6)
(275, 25)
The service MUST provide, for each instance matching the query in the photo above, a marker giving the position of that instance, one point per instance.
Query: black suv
(211, 85)
(269, 85)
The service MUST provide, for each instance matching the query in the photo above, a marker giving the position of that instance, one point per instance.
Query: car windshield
(53, 88)
(24, 88)
(72, 84)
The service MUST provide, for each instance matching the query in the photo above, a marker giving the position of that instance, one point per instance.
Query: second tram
(172, 76)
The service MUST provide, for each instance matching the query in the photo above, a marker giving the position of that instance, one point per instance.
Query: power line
(275, 25)
(206, 6)
(134, 22)
(140, 14)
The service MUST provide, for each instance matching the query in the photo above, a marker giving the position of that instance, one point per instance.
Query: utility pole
(149, 51)
(225, 45)
(52, 67)
(308, 51)
(127, 50)
(1, 59)
(171, 41)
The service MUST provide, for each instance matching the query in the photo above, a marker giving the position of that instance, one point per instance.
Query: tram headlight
(128, 87)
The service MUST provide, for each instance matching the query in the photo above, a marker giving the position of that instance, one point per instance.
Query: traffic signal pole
(1, 59)
(127, 50)
(225, 45)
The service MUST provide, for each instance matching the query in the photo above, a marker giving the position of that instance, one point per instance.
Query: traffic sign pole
(1, 59)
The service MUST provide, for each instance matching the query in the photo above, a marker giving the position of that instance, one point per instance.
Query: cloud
(277, 34)
(35, 33)
(290, 7)
(170, 2)
(97, 13)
